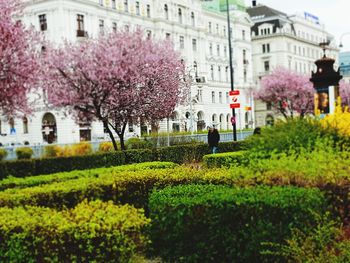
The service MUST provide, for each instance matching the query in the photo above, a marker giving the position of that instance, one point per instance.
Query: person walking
(213, 139)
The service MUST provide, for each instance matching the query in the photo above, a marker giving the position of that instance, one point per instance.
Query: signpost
(234, 99)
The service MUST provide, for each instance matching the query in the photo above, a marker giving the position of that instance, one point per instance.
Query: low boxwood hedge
(90, 232)
(208, 223)
(225, 159)
(176, 154)
(30, 181)
(132, 187)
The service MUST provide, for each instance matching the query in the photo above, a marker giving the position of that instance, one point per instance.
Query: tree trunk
(121, 135)
(105, 123)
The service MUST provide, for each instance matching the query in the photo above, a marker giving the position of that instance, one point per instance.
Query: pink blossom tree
(118, 78)
(344, 90)
(18, 60)
(288, 92)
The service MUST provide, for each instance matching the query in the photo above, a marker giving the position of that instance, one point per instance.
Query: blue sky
(335, 14)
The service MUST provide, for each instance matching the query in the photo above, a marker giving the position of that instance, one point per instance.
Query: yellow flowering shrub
(340, 120)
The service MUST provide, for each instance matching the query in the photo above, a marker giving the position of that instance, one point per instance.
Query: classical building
(199, 31)
(290, 41)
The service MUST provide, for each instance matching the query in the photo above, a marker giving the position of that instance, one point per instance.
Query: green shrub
(326, 242)
(291, 135)
(207, 223)
(30, 181)
(140, 156)
(91, 232)
(225, 159)
(136, 143)
(3, 154)
(24, 153)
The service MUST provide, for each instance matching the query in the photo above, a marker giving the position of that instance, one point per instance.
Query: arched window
(193, 22)
(166, 12)
(49, 128)
(25, 125)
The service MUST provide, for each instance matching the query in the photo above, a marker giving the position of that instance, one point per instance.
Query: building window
(25, 125)
(180, 15)
(268, 106)
(268, 48)
(227, 98)
(218, 50)
(43, 22)
(211, 49)
(225, 51)
(212, 72)
(148, 11)
(195, 68)
(213, 96)
(244, 56)
(167, 36)
(126, 6)
(114, 27)
(101, 25)
(166, 12)
(114, 6)
(193, 22)
(182, 42)
(243, 34)
(245, 75)
(149, 34)
(12, 126)
(200, 95)
(80, 26)
(267, 65)
(194, 44)
(217, 29)
(263, 48)
(137, 7)
(209, 27)
(219, 72)
(220, 97)
(224, 30)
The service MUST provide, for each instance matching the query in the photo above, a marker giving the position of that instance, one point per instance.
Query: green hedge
(177, 154)
(225, 159)
(30, 181)
(208, 223)
(132, 187)
(91, 232)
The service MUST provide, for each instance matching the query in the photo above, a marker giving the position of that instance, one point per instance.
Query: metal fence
(39, 150)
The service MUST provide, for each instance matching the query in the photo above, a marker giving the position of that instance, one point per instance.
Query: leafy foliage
(225, 224)
(24, 153)
(3, 154)
(90, 232)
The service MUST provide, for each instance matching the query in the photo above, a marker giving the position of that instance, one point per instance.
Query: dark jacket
(213, 138)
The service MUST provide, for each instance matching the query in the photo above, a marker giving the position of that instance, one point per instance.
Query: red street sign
(233, 92)
(235, 105)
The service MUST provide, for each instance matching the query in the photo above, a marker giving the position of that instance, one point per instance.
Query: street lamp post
(341, 38)
(231, 69)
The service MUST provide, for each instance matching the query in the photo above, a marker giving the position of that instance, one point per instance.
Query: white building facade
(199, 31)
(290, 41)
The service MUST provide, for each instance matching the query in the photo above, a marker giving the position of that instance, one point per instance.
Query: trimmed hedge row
(30, 181)
(225, 159)
(211, 223)
(177, 154)
(91, 232)
(132, 187)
